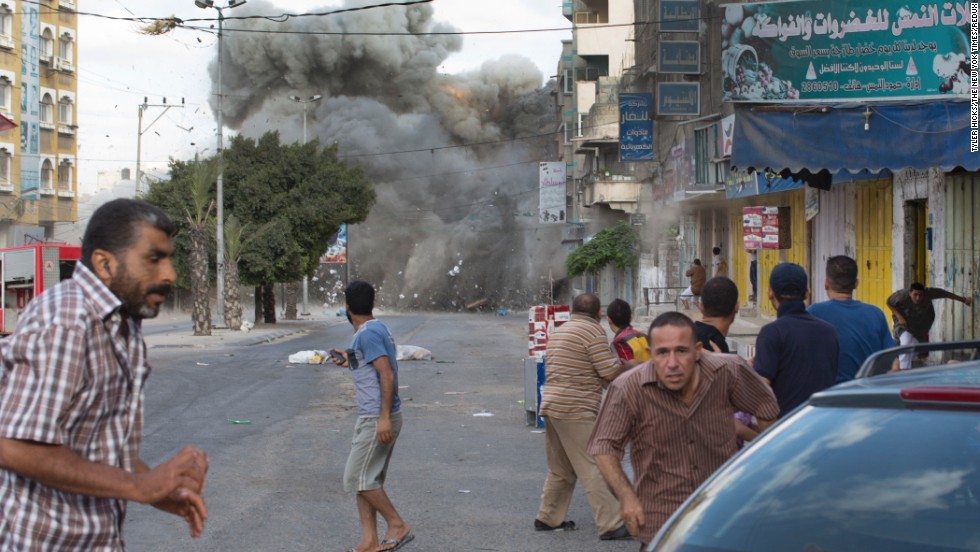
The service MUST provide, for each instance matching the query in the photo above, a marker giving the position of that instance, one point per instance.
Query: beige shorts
(367, 465)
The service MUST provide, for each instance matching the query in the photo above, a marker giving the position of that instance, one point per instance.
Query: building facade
(38, 93)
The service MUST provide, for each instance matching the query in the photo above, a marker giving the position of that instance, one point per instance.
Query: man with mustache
(71, 396)
(675, 413)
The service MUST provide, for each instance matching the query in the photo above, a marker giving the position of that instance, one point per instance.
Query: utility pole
(139, 136)
(220, 211)
(306, 279)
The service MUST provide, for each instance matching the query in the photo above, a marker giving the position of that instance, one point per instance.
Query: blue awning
(834, 138)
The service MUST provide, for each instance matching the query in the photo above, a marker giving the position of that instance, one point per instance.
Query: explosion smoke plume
(384, 94)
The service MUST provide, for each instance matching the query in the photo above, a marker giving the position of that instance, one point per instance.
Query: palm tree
(199, 219)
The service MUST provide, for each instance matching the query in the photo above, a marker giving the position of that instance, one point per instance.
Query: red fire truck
(28, 270)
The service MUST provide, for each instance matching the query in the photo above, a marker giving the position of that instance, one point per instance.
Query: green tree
(303, 192)
(616, 245)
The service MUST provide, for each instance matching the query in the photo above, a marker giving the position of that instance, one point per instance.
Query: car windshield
(844, 479)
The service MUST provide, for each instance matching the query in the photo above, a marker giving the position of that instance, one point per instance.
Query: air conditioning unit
(62, 64)
(67, 4)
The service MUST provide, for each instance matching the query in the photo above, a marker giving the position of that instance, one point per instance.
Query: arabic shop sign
(679, 16)
(679, 56)
(742, 183)
(635, 127)
(678, 98)
(845, 50)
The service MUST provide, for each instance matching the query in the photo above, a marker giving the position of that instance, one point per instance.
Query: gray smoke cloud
(452, 224)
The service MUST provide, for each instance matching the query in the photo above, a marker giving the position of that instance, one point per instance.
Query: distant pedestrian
(72, 378)
(754, 273)
(719, 266)
(913, 315)
(578, 365)
(719, 306)
(630, 345)
(675, 414)
(697, 276)
(373, 365)
(861, 328)
(798, 352)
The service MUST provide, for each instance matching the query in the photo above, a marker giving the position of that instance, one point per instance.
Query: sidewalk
(741, 336)
(176, 330)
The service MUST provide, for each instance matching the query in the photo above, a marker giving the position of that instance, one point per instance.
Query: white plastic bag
(411, 352)
(308, 357)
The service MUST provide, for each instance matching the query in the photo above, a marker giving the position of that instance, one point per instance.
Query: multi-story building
(601, 191)
(38, 87)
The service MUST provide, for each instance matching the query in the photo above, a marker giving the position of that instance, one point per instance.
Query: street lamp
(306, 103)
(220, 214)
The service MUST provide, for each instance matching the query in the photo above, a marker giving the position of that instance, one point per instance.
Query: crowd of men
(73, 374)
(686, 405)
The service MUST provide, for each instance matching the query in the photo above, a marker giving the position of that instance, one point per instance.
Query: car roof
(886, 390)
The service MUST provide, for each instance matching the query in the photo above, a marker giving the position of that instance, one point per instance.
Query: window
(5, 90)
(47, 109)
(568, 83)
(6, 22)
(65, 48)
(47, 175)
(705, 145)
(579, 125)
(64, 111)
(64, 176)
(47, 44)
(4, 169)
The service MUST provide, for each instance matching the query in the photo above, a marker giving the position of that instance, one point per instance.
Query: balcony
(6, 187)
(45, 125)
(46, 191)
(66, 4)
(6, 42)
(66, 129)
(66, 194)
(618, 191)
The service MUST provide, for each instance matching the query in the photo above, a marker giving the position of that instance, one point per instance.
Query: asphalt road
(463, 482)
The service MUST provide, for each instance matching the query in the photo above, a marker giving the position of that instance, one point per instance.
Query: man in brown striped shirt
(578, 365)
(675, 413)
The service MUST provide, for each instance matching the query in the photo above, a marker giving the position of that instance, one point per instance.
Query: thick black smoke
(453, 224)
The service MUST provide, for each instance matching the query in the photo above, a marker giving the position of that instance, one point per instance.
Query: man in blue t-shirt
(372, 362)
(861, 328)
(797, 353)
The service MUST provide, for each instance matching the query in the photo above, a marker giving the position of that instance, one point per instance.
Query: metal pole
(220, 238)
(306, 279)
(139, 147)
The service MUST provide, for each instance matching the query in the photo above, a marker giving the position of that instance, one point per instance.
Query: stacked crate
(542, 320)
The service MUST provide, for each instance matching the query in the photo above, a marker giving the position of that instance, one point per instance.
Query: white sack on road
(411, 352)
(308, 357)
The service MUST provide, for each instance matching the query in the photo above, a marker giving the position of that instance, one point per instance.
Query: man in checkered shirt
(71, 396)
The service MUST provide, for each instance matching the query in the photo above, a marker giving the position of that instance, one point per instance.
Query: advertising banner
(760, 227)
(551, 203)
(845, 50)
(337, 251)
(30, 103)
(742, 183)
(635, 127)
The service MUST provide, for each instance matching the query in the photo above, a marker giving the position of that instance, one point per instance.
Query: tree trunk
(258, 304)
(233, 296)
(200, 283)
(292, 290)
(269, 304)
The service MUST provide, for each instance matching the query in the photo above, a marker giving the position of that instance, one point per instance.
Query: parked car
(884, 463)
